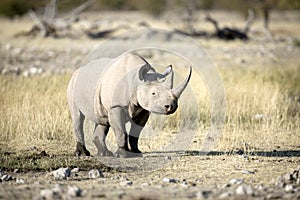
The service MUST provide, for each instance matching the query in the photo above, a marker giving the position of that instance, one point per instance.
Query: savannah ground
(260, 138)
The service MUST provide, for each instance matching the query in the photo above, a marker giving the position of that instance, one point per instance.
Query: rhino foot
(81, 150)
(122, 153)
(135, 150)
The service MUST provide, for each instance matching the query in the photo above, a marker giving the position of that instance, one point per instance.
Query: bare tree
(50, 25)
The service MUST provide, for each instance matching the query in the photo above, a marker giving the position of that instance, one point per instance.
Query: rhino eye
(153, 93)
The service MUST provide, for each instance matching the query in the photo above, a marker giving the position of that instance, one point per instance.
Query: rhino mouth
(166, 110)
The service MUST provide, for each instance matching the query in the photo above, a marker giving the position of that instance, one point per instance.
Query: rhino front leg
(78, 119)
(137, 125)
(117, 118)
(99, 137)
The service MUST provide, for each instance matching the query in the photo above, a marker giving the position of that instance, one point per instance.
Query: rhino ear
(143, 72)
(168, 74)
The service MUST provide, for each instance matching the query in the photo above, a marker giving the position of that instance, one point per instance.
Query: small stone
(75, 170)
(144, 184)
(244, 190)
(95, 173)
(7, 177)
(62, 173)
(260, 187)
(204, 194)
(20, 181)
(289, 188)
(58, 189)
(287, 177)
(226, 185)
(226, 194)
(280, 181)
(47, 194)
(247, 172)
(169, 180)
(16, 170)
(126, 183)
(74, 191)
(235, 181)
(168, 158)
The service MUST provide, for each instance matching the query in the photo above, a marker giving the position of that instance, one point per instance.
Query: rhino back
(86, 85)
(120, 80)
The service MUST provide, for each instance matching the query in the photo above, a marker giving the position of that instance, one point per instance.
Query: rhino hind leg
(78, 119)
(99, 137)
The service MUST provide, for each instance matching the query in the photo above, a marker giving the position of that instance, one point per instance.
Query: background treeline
(11, 8)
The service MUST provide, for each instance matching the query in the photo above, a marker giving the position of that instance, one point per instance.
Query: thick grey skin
(113, 91)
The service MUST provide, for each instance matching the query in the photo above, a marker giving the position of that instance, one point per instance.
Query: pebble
(74, 191)
(20, 181)
(169, 180)
(260, 187)
(61, 173)
(289, 188)
(247, 172)
(75, 170)
(47, 194)
(58, 189)
(95, 173)
(168, 158)
(288, 179)
(244, 190)
(204, 194)
(7, 177)
(126, 183)
(235, 181)
(226, 194)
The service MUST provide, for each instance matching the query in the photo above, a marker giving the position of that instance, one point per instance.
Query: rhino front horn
(178, 91)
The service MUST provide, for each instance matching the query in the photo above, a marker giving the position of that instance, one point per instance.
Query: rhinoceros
(114, 91)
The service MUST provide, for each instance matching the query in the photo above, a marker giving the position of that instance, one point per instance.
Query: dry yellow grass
(262, 112)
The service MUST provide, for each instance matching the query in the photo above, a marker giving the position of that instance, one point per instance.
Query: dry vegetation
(261, 79)
(262, 108)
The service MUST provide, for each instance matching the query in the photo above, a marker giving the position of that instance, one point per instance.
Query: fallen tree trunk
(228, 33)
(49, 25)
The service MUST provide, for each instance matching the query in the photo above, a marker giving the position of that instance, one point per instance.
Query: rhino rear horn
(168, 73)
(178, 91)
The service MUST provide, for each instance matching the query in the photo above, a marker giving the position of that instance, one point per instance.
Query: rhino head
(157, 94)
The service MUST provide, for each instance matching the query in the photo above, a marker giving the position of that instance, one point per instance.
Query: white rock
(20, 181)
(75, 170)
(74, 191)
(235, 181)
(95, 173)
(289, 188)
(168, 158)
(204, 194)
(244, 190)
(247, 172)
(58, 189)
(169, 180)
(226, 194)
(47, 194)
(6, 177)
(61, 173)
(126, 183)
